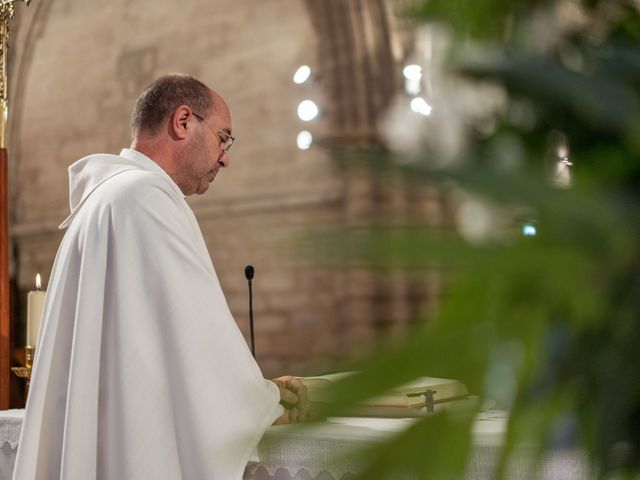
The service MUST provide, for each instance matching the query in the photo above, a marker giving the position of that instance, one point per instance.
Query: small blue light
(529, 230)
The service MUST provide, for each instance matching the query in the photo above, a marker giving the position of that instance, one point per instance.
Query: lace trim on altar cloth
(256, 471)
(10, 426)
(308, 459)
(483, 462)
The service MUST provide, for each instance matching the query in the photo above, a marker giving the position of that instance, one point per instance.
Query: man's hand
(294, 399)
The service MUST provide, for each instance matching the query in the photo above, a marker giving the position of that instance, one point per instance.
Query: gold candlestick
(25, 372)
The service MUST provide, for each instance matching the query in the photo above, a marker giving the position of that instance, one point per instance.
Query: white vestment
(140, 370)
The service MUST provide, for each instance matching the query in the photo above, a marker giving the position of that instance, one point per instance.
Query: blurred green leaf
(555, 317)
(435, 447)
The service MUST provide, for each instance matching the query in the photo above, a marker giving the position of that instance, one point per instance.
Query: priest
(141, 371)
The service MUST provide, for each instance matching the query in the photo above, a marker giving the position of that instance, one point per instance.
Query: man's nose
(223, 160)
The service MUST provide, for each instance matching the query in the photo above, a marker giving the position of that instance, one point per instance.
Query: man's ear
(179, 122)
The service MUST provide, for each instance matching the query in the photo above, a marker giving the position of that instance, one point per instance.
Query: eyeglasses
(226, 144)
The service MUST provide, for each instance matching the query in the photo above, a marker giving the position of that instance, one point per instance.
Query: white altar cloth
(288, 452)
(10, 424)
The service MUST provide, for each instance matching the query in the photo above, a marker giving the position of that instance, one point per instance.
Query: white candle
(35, 303)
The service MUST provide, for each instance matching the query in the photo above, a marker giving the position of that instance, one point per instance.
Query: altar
(10, 425)
(321, 451)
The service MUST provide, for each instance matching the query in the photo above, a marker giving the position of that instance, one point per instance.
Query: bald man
(141, 371)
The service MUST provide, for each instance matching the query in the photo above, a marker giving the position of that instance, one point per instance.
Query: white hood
(90, 172)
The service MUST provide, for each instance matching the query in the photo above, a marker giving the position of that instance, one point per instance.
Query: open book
(413, 395)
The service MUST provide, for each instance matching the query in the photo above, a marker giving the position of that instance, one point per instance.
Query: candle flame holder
(25, 372)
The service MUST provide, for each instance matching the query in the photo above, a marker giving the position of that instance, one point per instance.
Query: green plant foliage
(398, 460)
(556, 315)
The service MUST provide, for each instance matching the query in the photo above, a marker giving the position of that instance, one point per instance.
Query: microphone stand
(248, 273)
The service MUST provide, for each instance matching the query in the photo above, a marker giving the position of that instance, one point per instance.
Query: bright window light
(420, 105)
(412, 79)
(307, 110)
(412, 72)
(302, 74)
(304, 140)
(529, 230)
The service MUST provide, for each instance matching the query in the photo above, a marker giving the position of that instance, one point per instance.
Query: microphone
(248, 273)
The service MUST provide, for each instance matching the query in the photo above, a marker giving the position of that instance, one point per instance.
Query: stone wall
(81, 65)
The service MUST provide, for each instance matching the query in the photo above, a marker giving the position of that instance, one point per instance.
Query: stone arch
(357, 63)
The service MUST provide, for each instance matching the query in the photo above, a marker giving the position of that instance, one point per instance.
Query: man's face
(205, 155)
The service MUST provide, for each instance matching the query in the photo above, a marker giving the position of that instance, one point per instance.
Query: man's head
(185, 127)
